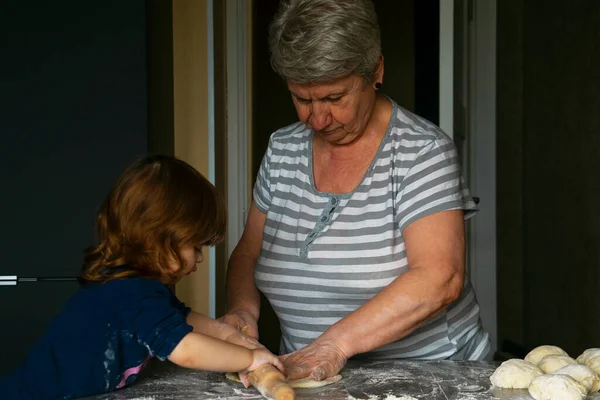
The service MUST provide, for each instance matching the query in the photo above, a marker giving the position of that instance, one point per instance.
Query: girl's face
(191, 257)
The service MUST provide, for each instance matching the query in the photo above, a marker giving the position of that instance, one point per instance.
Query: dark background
(73, 81)
(548, 173)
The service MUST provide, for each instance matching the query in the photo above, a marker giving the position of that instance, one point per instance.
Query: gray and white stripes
(324, 255)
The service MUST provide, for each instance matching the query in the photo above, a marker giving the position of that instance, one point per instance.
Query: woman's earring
(377, 85)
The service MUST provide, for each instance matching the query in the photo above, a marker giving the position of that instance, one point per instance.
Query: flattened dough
(298, 383)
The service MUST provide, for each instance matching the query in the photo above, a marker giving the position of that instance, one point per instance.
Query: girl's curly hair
(159, 205)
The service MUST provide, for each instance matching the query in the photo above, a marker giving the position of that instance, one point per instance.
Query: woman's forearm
(406, 304)
(242, 294)
(198, 351)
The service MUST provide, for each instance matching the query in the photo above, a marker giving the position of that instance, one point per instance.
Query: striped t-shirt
(324, 255)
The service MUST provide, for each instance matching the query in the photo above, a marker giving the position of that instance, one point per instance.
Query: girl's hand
(263, 356)
(236, 337)
(260, 356)
(243, 321)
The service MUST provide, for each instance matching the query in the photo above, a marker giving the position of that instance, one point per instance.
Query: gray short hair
(323, 40)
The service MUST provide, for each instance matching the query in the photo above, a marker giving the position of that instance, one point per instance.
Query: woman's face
(338, 111)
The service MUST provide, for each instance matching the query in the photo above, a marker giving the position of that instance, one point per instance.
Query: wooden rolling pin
(271, 383)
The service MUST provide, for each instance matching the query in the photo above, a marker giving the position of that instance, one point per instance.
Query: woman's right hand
(243, 321)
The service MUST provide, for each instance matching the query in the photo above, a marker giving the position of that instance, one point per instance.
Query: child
(152, 228)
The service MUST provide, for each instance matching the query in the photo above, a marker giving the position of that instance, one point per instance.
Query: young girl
(152, 228)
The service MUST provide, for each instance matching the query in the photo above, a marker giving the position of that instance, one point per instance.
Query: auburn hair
(158, 205)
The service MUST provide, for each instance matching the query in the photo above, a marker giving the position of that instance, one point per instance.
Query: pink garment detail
(133, 371)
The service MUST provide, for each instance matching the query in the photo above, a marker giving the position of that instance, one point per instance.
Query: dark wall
(272, 106)
(509, 177)
(426, 55)
(548, 169)
(72, 117)
(159, 57)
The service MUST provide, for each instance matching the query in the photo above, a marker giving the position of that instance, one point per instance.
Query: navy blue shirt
(100, 341)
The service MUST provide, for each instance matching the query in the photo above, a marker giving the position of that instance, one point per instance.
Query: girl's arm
(220, 330)
(208, 326)
(199, 351)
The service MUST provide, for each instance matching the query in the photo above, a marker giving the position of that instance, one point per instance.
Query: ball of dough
(553, 362)
(582, 374)
(536, 355)
(556, 387)
(515, 374)
(587, 355)
(594, 363)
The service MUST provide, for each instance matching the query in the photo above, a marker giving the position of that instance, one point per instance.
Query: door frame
(481, 120)
(239, 124)
(476, 28)
(446, 73)
(210, 56)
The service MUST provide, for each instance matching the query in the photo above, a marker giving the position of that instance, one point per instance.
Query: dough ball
(536, 355)
(587, 355)
(553, 362)
(515, 374)
(582, 374)
(556, 387)
(594, 363)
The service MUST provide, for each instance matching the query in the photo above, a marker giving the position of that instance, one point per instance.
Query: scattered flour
(387, 397)
(145, 398)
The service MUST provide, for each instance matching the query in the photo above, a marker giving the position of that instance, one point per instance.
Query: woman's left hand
(319, 360)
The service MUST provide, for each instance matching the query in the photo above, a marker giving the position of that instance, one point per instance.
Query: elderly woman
(356, 234)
